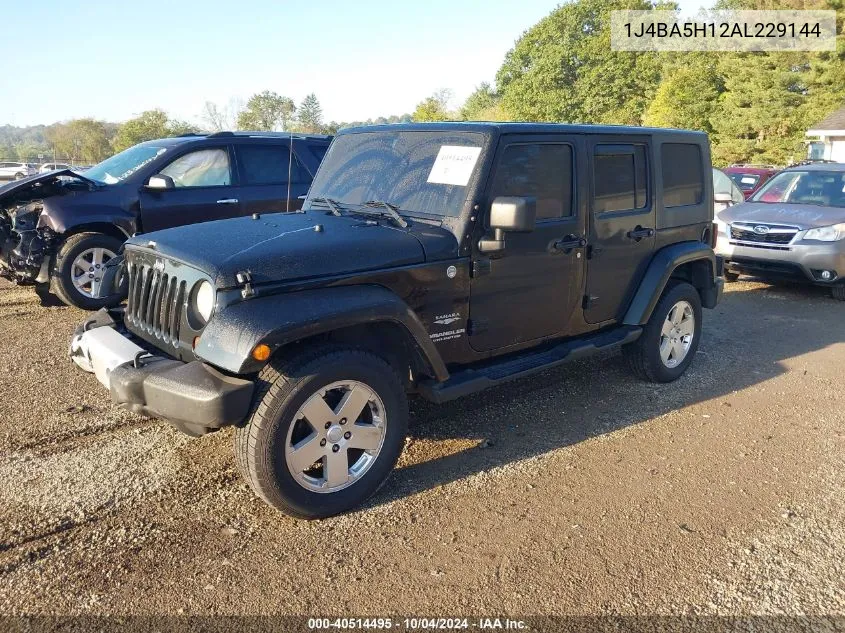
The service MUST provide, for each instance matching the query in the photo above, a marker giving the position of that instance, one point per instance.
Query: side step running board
(472, 380)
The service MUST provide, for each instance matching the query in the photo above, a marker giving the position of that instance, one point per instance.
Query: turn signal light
(261, 352)
(196, 342)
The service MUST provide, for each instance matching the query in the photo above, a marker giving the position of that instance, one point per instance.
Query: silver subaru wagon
(793, 227)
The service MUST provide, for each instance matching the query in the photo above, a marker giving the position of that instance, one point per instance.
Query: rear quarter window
(683, 174)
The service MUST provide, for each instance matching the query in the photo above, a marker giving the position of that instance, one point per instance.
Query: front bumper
(195, 397)
(800, 261)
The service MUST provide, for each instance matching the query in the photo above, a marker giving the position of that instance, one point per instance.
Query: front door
(530, 290)
(622, 226)
(204, 190)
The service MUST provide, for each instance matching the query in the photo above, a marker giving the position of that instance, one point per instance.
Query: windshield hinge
(481, 267)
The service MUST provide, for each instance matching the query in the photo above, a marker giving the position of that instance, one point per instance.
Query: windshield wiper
(390, 210)
(333, 205)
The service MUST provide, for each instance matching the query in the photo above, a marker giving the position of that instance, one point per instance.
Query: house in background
(828, 138)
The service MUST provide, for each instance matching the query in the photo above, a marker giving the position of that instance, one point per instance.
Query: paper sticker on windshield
(454, 165)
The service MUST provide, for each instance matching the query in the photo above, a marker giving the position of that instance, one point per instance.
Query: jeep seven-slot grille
(156, 302)
(768, 234)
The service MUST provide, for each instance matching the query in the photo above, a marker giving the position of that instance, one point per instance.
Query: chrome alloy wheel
(87, 270)
(677, 334)
(336, 436)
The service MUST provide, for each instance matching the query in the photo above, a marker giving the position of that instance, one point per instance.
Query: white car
(52, 167)
(725, 192)
(16, 171)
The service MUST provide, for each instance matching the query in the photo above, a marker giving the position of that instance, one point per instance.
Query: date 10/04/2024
(417, 624)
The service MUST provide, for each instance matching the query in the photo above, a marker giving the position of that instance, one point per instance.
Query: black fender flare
(280, 319)
(658, 273)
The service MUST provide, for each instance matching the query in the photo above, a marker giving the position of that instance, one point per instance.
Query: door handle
(228, 201)
(639, 233)
(570, 242)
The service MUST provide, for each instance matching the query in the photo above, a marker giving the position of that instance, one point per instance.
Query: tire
(731, 277)
(18, 176)
(838, 292)
(644, 355)
(286, 386)
(64, 271)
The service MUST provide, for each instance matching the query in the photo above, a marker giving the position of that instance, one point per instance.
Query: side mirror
(160, 181)
(509, 215)
(723, 198)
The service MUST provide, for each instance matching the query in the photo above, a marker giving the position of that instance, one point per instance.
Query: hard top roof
(519, 128)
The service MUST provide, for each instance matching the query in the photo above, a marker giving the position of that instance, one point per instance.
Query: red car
(749, 178)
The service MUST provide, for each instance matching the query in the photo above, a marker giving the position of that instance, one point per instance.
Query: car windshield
(822, 188)
(120, 166)
(422, 172)
(746, 182)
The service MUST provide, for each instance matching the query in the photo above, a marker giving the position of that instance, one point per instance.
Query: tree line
(756, 107)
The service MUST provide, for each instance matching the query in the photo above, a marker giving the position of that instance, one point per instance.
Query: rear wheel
(18, 176)
(670, 338)
(326, 429)
(731, 277)
(78, 271)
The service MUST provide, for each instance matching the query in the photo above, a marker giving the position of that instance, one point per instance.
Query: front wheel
(670, 338)
(78, 272)
(325, 431)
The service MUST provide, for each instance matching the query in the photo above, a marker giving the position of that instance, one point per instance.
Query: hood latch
(244, 278)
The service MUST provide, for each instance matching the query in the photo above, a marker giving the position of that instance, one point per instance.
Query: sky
(112, 60)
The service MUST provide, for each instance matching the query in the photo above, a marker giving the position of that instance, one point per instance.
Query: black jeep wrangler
(434, 260)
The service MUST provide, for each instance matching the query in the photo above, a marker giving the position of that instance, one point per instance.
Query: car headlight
(826, 233)
(201, 304)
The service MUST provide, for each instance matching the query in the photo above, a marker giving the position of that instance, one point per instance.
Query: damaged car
(59, 229)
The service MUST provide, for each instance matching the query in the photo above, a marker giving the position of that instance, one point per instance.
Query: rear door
(272, 177)
(531, 289)
(204, 190)
(622, 224)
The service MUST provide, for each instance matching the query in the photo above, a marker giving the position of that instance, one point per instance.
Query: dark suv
(436, 260)
(58, 229)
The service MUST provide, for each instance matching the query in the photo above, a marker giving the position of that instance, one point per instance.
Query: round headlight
(203, 301)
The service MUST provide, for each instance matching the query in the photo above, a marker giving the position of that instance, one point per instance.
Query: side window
(620, 174)
(203, 168)
(319, 151)
(268, 165)
(683, 176)
(541, 170)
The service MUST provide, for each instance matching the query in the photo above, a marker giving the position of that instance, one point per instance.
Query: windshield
(422, 172)
(746, 182)
(120, 166)
(823, 188)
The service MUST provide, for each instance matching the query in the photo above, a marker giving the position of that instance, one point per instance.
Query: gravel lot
(581, 491)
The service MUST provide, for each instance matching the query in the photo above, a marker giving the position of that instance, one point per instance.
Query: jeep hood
(804, 216)
(9, 190)
(292, 246)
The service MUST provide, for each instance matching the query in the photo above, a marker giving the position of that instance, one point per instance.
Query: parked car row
(792, 227)
(17, 170)
(59, 229)
(303, 302)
